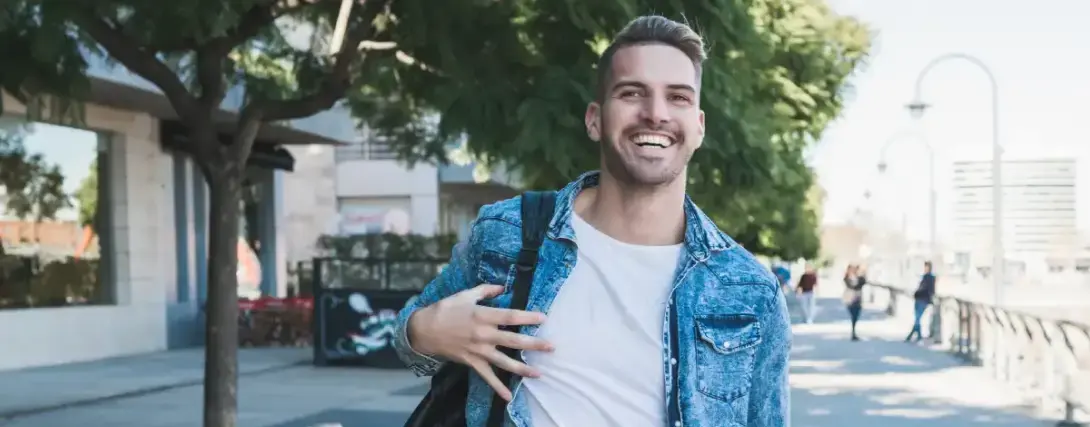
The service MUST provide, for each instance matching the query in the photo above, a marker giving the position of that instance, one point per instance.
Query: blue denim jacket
(726, 332)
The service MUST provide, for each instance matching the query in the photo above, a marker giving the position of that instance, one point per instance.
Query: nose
(656, 111)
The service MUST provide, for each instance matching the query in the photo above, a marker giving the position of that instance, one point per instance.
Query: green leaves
(508, 79)
(34, 188)
(516, 78)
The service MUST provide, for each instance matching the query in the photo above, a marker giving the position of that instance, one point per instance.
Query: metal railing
(1049, 359)
(370, 150)
(374, 273)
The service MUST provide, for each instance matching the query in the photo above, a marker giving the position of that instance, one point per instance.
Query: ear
(593, 120)
(701, 130)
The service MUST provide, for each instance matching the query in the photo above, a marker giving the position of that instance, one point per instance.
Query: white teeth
(651, 139)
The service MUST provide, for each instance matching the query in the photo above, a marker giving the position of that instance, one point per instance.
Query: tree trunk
(221, 334)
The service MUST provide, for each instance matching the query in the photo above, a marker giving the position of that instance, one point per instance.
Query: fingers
(503, 361)
(503, 316)
(515, 340)
(481, 292)
(485, 371)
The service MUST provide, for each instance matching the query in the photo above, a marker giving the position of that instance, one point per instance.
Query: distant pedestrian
(924, 295)
(854, 280)
(805, 291)
(783, 274)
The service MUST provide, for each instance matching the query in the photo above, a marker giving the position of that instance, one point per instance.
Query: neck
(639, 216)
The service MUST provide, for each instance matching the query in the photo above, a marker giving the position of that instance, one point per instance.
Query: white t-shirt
(606, 327)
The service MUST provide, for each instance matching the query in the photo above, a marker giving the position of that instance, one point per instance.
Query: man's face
(650, 121)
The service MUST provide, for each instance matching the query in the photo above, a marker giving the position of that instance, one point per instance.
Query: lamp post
(917, 107)
(932, 194)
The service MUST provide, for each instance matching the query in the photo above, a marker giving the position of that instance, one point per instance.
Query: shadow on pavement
(350, 418)
(881, 380)
(870, 356)
(833, 310)
(891, 407)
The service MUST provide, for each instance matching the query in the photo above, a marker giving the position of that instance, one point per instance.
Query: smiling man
(642, 312)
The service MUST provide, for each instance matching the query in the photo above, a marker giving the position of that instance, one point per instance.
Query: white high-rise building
(1040, 221)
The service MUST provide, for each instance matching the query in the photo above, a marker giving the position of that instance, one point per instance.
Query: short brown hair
(652, 29)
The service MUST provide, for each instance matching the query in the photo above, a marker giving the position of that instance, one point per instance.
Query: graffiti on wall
(361, 325)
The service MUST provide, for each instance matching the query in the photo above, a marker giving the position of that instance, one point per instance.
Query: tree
(87, 196)
(34, 188)
(195, 51)
(507, 74)
(517, 78)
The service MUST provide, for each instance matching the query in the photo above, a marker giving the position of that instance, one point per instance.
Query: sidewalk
(37, 390)
(877, 382)
(883, 381)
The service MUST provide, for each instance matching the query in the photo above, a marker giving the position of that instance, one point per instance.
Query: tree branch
(128, 52)
(210, 76)
(249, 123)
(339, 79)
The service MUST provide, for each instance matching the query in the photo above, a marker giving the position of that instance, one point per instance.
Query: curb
(35, 410)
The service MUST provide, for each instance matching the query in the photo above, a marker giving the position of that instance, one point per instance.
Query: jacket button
(677, 423)
(673, 361)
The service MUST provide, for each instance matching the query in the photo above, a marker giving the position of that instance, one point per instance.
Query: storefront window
(53, 229)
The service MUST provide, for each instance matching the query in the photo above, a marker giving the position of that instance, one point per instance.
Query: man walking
(923, 297)
(641, 312)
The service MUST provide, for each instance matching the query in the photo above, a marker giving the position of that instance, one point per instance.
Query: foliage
(519, 74)
(87, 197)
(514, 76)
(197, 52)
(389, 246)
(33, 187)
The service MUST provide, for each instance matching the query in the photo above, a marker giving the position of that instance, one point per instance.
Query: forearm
(455, 277)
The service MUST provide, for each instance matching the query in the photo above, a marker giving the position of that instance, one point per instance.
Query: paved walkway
(879, 381)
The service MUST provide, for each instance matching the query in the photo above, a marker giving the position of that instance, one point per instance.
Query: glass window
(54, 233)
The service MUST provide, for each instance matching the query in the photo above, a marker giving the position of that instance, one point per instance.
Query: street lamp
(933, 195)
(917, 107)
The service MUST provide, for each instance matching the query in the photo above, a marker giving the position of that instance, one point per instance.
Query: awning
(265, 154)
(122, 96)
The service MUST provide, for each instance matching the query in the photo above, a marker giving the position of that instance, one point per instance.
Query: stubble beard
(637, 177)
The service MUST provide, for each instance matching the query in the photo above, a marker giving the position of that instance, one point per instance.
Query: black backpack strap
(537, 212)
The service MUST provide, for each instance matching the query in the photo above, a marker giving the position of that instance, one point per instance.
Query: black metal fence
(1047, 358)
(356, 301)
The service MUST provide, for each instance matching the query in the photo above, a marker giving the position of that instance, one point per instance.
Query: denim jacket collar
(702, 236)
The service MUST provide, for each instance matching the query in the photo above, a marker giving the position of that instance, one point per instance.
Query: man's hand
(459, 330)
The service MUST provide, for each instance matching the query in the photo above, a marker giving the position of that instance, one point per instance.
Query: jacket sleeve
(770, 393)
(458, 275)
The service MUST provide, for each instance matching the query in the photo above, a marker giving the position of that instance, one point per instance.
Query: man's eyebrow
(632, 83)
(627, 83)
(682, 86)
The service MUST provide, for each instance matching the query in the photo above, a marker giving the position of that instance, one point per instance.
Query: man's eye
(629, 94)
(679, 98)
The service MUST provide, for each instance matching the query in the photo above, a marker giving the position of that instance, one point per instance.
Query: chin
(651, 177)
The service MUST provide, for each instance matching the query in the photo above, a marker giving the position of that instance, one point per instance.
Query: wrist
(415, 328)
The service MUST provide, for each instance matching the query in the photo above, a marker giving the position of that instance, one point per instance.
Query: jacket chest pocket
(726, 346)
(496, 269)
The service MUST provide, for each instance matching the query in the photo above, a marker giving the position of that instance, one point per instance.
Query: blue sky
(71, 149)
(1040, 55)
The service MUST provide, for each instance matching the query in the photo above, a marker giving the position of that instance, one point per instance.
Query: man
(642, 312)
(923, 296)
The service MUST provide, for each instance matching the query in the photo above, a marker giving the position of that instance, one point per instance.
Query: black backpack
(445, 403)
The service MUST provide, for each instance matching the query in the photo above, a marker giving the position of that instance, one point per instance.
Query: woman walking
(854, 280)
(805, 291)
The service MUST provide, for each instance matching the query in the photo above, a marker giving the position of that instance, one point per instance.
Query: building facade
(376, 193)
(117, 264)
(1039, 212)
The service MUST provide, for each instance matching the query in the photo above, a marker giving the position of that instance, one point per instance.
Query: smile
(652, 140)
